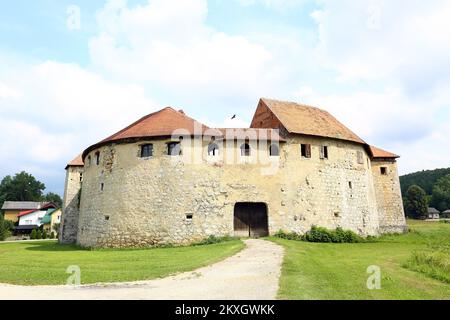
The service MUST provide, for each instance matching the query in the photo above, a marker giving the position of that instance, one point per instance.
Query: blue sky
(69, 80)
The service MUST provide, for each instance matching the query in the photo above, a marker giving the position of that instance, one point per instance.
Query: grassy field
(45, 263)
(339, 271)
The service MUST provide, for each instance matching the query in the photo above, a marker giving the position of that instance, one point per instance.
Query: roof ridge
(135, 123)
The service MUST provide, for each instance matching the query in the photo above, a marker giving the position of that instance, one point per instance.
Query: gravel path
(252, 274)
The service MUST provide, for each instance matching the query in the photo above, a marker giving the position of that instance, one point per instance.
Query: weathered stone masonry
(128, 201)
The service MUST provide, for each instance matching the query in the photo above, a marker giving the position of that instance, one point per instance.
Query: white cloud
(384, 40)
(62, 109)
(172, 48)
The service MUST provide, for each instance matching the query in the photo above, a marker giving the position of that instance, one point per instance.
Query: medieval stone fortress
(168, 179)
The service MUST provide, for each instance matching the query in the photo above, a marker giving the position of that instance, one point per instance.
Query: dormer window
(245, 150)
(174, 149)
(147, 150)
(213, 150)
(97, 158)
(274, 150)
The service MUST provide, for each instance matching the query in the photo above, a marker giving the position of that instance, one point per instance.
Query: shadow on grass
(53, 247)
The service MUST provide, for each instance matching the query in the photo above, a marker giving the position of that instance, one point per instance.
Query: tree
(22, 187)
(53, 197)
(4, 230)
(416, 205)
(441, 194)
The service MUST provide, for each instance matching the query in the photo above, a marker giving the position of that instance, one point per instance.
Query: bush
(52, 235)
(212, 240)
(44, 234)
(38, 234)
(4, 229)
(323, 235)
(33, 234)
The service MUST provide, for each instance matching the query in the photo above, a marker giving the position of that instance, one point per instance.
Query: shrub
(44, 234)
(33, 234)
(52, 235)
(4, 229)
(38, 234)
(323, 235)
(212, 240)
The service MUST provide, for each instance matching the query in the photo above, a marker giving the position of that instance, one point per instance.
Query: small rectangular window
(324, 152)
(102, 186)
(147, 150)
(384, 171)
(360, 157)
(97, 158)
(174, 149)
(350, 185)
(189, 217)
(306, 150)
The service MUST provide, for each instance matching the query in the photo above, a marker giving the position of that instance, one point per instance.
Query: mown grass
(45, 263)
(339, 271)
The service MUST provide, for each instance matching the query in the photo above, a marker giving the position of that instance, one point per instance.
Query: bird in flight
(233, 117)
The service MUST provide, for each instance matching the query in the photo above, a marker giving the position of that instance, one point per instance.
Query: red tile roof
(24, 213)
(77, 162)
(380, 153)
(163, 123)
(307, 120)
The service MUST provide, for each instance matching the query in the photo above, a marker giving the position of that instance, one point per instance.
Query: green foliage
(52, 235)
(435, 263)
(44, 234)
(5, 230)
(22, 187)
(56, 227)
(323, 235)
(441, 194)
(424, 179)
(33, 235)
(213, 240)
(290, 236)
(38, 234)
(415, 201)
(53, 197)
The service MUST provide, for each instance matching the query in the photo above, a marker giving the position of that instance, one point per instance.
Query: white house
(31, 218)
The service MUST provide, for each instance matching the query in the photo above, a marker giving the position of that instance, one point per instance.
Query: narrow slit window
(245, 150)
(174, 149)
(102, 186)
(97, 158)
(213, 150)
(274, 150)
(147, 150)
(306, 151)
(324, 152)
(350, 185)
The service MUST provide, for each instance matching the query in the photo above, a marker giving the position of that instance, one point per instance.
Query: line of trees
(416, 200)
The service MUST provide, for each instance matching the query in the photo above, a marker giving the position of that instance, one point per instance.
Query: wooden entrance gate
(250, 220)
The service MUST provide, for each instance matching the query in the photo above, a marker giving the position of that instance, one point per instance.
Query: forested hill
(424, 179)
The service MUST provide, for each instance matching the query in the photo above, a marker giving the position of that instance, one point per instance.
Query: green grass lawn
(45, 263)
(338, 271)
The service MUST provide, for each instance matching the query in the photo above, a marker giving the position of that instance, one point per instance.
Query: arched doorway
(251, 219)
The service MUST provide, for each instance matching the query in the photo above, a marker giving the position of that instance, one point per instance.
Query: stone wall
(70, 213)
(388, 195)
(130, 201)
